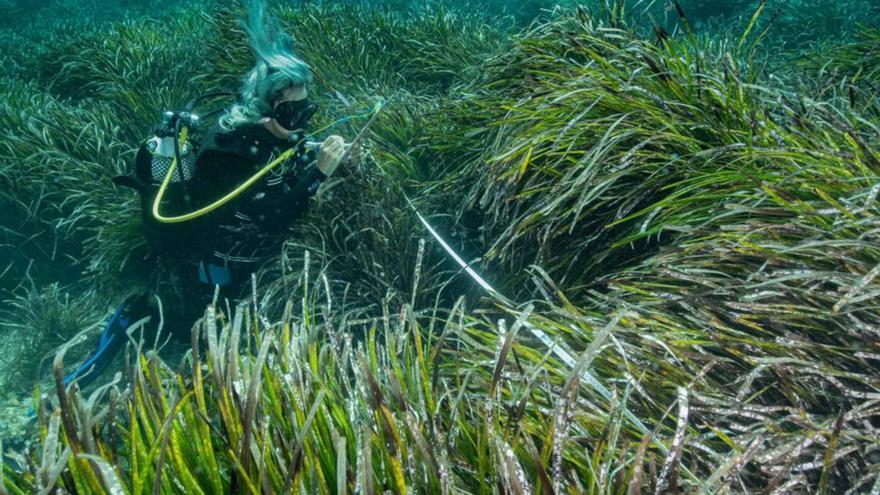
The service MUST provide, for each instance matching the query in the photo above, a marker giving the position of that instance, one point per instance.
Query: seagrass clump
(37, 323)
(731, 220)
(607, 144)
(317, 401)
(849, 71)
(80, 106)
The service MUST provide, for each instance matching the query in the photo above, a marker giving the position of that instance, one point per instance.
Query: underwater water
(580, 247)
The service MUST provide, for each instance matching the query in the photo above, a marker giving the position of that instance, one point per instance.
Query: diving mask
(294, 114)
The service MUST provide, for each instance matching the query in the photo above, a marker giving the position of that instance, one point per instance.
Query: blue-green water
(85, 83)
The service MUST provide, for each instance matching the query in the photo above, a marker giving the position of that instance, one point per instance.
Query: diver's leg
(198, 294)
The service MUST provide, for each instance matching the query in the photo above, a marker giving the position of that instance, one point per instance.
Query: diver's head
(278, 76)
(292, 109)
(269, 94)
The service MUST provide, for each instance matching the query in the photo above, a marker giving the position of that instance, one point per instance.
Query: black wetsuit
(241, 230)
(222, 247)
(238, 233)
(241, 234)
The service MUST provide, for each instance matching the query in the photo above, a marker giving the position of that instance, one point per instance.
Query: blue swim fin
(112, 340)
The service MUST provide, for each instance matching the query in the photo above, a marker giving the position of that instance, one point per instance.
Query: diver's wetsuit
(226, 245)
(263, 211)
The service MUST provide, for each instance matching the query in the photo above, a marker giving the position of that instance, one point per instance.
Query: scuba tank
(162, 149)
(150, 167)
(157, 153)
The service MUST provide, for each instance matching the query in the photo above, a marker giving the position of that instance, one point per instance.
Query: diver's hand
(330, 155)
(354, 154)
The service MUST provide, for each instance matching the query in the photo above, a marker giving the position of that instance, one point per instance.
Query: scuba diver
(194, 201)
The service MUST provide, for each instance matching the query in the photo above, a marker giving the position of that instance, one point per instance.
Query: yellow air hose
(253, 180)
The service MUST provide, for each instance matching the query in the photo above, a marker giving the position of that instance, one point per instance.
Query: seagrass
(695, 228)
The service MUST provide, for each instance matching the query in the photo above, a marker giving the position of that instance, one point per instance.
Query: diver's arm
(281, 210)
(277, 213)
(329, 156)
